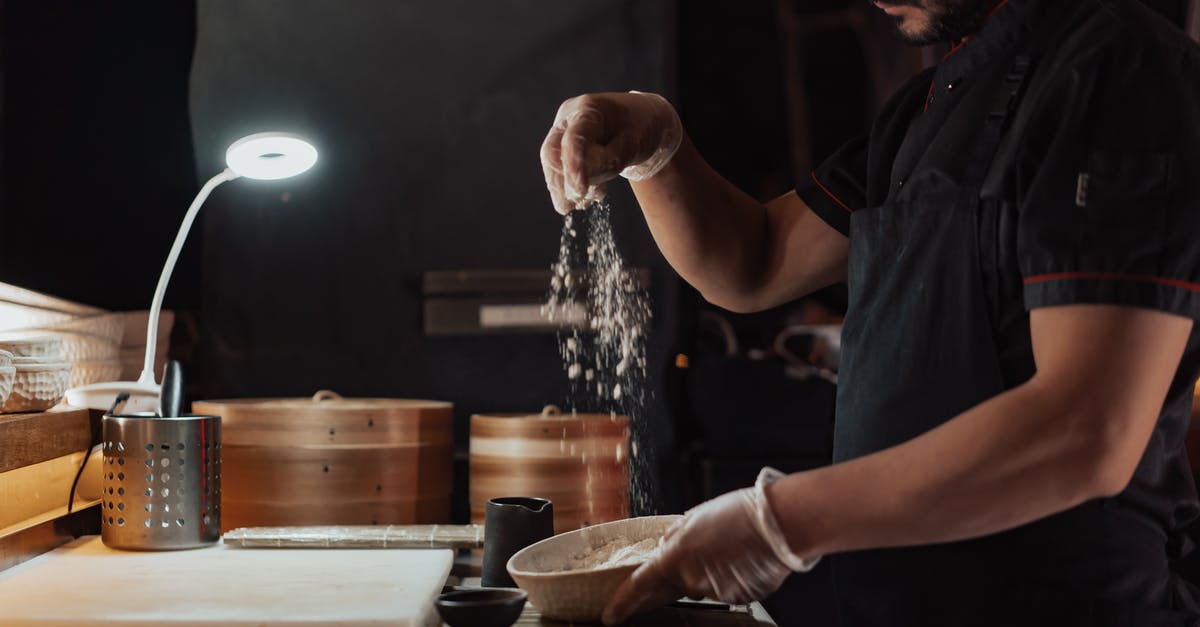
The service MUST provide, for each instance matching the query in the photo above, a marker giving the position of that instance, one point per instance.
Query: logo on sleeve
(1081, 189)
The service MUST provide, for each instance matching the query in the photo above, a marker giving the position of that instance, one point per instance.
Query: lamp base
(101, 396)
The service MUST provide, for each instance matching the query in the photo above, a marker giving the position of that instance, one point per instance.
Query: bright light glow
(270, 156)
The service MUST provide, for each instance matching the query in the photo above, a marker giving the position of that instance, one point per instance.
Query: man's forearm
(712, 233)
(1021, 456)
(1075, 431)
(741, 254)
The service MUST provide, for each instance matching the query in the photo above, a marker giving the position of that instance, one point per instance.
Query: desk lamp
(262, 156)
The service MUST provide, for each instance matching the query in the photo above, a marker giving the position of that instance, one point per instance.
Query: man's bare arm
(1074, 432)
(741, 254)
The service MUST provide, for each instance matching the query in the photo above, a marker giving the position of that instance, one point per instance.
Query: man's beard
(949, 20)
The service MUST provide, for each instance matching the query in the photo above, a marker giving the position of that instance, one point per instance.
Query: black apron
(917, 309)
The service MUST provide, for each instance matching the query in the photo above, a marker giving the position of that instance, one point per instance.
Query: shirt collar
(1011, 22)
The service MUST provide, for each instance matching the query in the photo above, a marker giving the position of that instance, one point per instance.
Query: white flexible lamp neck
(147, 376)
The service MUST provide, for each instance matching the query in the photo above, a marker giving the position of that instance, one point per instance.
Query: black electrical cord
(96, 433)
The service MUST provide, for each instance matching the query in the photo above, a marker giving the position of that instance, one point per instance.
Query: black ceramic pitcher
(512, 523)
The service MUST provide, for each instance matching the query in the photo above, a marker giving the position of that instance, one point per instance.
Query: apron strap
(1005, 100)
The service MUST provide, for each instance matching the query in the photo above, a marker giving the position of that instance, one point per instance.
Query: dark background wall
(428, 117)
(96, 149)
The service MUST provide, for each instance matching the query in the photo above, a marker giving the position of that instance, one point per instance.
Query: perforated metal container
(161, 482)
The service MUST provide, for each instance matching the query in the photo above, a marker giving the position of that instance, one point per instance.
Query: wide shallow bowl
(21, 362)
(485, 607)
(135, 322)
(8, 376)
(109, 326)
(73, 346)
(544, 570)
(18, 316)
(88, 372)
(40, 346)
(38, 387)
(11, 294)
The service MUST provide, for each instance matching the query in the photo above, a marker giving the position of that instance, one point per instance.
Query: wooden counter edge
(29, 543)
(32, 438)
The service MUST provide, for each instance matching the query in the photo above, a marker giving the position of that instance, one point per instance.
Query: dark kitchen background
(428, 117)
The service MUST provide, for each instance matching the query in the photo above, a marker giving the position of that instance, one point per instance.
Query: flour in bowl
(614, 553)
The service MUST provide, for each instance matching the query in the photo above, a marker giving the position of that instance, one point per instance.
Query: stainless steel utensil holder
(161, 482)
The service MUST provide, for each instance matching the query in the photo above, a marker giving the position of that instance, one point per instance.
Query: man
(1020, 233)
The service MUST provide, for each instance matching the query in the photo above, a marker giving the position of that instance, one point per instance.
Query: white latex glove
(730, 549)
(595, 137)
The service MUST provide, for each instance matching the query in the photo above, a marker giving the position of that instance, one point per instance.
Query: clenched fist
(595, 137)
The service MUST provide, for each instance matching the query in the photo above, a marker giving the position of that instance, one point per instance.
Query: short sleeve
(1111, 214)
(838, 186)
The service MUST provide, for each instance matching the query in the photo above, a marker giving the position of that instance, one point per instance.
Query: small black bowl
(485, 607)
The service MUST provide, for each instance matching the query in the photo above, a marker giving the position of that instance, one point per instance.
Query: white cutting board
(86, 584)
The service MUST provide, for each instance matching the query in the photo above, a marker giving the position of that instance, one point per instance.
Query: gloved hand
(595, 137)
(730, 549)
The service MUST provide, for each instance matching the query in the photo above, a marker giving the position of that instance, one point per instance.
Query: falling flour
(604, 348)
(616, 311)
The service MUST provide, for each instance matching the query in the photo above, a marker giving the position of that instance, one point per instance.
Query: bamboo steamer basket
(580, 462)
(330, 460)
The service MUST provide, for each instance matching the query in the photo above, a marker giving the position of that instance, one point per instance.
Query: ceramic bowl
(135, 322)
(13, 295)
(544, 570)
(485, 607)
(38, 346)
(8, 376)
(19, 316)
(74, 346)
(110, 326)
(6, 359)
(21, 362)
(37, 387)
(94, 371)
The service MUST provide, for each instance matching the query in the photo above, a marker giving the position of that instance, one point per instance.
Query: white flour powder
(605, 360)
(614, 553)
(613, 359)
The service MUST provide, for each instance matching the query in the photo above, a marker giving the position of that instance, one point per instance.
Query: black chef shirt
(1093, 197)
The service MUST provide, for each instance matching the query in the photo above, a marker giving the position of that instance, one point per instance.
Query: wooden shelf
(27, 439)
(40, 454)
(46, 536)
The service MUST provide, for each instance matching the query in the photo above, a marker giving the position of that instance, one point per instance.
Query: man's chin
(917, 32)
(919, 38)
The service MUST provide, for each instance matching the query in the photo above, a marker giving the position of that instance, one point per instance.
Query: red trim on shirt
(1113, 276)
(997, 7)
(831, 194)
(958, 46)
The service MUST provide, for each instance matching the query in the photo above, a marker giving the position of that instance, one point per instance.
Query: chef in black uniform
(1020, 233)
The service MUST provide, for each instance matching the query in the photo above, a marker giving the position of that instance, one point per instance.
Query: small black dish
(485, 607)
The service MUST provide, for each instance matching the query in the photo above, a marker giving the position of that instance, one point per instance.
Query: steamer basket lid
(329, 400)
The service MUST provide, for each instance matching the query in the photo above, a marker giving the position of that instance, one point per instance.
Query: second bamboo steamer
(334, 461)
(578, 461)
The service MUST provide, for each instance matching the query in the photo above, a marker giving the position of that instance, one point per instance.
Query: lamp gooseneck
(160, 291)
